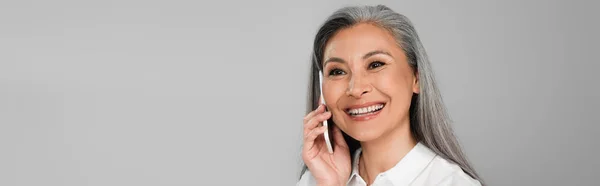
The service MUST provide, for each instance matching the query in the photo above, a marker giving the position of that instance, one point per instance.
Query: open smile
(365, 112)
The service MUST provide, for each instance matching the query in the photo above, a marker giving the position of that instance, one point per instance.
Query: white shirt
(420, 166)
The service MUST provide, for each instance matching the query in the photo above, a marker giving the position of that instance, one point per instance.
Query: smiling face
(368, 83)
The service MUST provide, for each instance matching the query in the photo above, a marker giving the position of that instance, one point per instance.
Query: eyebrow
(372, 53)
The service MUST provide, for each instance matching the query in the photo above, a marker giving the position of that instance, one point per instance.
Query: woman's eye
(376, 64)
(336, 72)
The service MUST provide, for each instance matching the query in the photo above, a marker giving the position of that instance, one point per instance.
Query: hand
(328, 169)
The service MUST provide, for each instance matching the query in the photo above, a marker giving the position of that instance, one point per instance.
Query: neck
(383, 153)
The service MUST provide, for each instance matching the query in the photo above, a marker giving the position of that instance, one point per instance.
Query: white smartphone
(326, 134)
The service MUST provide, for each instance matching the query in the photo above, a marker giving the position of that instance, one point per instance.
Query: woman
(389, 124)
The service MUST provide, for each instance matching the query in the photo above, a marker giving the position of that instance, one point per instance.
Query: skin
(362, 64)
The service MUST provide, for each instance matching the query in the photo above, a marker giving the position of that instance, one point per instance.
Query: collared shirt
(420, 166)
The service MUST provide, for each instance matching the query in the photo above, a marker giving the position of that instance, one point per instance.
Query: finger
(314, 122)
(313, 113)
(321, 103)
(309, 139)
(339, 137)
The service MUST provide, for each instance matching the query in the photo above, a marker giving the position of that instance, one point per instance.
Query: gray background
(134, 92)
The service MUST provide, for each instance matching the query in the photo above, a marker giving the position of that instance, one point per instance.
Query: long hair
(429, 120)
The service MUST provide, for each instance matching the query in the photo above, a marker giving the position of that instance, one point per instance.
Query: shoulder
(443, 172)
(306, 180)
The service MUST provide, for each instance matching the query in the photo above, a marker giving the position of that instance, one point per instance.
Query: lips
(365, 111)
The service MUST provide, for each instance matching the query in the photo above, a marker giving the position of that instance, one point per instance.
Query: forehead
(359, 40)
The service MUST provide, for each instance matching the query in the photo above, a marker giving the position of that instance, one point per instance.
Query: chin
(364, 133)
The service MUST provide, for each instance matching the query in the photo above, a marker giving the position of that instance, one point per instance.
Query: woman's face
(368, 83)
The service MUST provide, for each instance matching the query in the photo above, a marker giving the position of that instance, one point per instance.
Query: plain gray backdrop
(134, 92)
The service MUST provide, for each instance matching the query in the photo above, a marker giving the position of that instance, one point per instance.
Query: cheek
(396, 86)
(393, 83)
(333, 92)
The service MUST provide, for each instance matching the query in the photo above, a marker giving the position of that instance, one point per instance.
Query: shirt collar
(406, 170)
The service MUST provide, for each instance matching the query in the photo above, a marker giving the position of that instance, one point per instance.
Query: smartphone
(326, 135)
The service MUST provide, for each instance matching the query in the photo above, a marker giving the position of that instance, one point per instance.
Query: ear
(415, 86)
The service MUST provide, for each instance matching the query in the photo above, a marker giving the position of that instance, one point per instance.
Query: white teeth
(365, 110)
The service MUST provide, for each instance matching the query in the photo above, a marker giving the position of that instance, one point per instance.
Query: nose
(358, 86)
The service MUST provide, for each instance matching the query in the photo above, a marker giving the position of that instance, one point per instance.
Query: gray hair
(429, 120)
